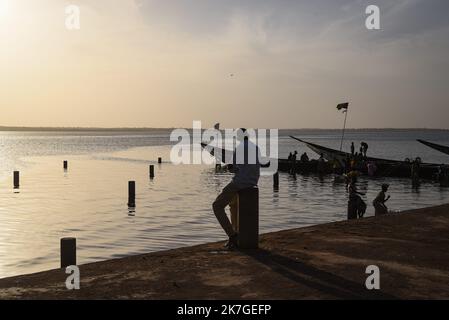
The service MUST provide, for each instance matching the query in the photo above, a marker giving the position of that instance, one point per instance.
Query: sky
(246, 63)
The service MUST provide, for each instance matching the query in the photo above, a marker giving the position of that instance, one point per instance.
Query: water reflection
(175, 208)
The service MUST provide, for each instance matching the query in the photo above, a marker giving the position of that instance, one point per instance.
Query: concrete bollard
(248, 218)
(131, 194)
(68, 252)
(276, 180)
(66, 164)
(151, 171)
(16, 179)
(159, 160)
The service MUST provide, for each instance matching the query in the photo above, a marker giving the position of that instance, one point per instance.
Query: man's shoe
(232, 242)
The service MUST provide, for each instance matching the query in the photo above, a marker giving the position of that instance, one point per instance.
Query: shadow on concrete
(317, 279)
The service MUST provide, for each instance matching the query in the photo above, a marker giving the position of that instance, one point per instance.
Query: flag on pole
(343, 106)
(217, 126)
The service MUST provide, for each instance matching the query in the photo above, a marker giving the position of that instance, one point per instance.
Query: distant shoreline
(143, 129)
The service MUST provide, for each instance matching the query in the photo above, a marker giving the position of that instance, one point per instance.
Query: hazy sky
(251, 63)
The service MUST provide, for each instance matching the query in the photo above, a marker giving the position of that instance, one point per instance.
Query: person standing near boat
(293, 162)
(380, 200)
(415, 172)
(336, 166)
(246, 175)
(364, 148)
(352, 148)
(321, 167)
(304, 158)
(356, 206)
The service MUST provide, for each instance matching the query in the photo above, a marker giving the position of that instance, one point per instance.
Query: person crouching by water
(246, 168)
(356, 206)
(381, 199)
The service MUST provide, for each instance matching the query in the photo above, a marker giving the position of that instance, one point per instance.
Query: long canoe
(438, 147)
(385, 167)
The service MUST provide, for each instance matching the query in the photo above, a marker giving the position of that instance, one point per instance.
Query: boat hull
(438, 147)
(385, 167)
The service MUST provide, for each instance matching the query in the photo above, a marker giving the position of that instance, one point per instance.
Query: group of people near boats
(246, 175)
(363, 149)
(292, 159)
(350, 169)
(357, 207)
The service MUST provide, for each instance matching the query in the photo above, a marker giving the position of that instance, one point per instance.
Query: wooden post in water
(16, 179)
(66, 164)
(151, 171)
(68, 252)
(248, 218)
(131, 193)
(276, 180)
(159, 160)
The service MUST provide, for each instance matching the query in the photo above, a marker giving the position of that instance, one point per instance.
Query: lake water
(173, 210)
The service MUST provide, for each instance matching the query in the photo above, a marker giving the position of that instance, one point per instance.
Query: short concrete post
(68, 252)
(151, 171)
(66, 164)
(159, 160)
(16, 179)
(131, 194)
(248, 218)
(276, 180)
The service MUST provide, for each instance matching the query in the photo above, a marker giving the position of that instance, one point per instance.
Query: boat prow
(438, 147)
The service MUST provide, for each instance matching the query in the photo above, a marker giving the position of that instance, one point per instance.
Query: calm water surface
(173, 210)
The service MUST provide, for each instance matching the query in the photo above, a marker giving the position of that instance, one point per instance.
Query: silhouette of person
(246, 175)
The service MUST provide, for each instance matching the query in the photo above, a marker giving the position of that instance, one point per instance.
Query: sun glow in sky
(166, 63)
(4, 7)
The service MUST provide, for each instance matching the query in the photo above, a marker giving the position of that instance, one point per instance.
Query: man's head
(385, 187)
(242, 134)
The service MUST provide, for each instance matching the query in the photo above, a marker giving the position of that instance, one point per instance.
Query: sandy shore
(320, 262)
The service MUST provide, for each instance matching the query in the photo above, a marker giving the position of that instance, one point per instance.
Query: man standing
(293, 162)
(364, 148)
(246, 168)
(379, 202)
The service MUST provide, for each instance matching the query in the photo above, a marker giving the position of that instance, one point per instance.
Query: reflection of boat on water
(438, 147)
(385, 167)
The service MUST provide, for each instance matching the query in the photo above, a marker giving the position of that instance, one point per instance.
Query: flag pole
(344, 128)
